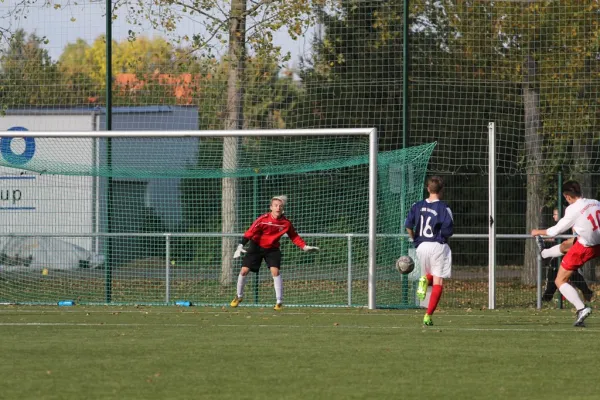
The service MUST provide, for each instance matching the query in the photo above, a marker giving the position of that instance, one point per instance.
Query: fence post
(492, 216)
(349, 236)
(559, 209)
(539, 281)
(167, 267)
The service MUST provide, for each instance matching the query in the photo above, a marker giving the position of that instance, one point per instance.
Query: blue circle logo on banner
(10, 156)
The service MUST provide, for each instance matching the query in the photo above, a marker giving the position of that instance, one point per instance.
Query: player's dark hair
(435, 184)
(571, 188)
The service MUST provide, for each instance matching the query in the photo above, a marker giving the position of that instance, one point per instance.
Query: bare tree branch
(199, 11)
(257, 6)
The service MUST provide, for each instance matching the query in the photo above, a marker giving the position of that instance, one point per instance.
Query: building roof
(93, 110)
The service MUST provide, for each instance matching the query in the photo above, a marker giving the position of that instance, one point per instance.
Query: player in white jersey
(558, 250)
(583, 215)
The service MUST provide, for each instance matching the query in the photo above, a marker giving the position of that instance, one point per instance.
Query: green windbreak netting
(156, 220)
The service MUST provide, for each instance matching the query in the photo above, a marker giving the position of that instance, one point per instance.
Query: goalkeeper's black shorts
(255, 254)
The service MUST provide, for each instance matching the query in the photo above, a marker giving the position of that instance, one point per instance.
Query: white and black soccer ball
(405, 265)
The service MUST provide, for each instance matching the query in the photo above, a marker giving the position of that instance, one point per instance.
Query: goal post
(175, 215)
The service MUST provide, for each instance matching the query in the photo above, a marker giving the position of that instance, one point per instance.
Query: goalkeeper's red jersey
(266, 231)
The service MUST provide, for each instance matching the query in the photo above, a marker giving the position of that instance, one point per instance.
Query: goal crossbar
(187, 133)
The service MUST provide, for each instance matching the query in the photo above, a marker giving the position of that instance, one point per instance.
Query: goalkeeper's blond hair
(282, 198)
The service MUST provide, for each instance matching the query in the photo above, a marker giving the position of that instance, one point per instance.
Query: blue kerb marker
(66, 303)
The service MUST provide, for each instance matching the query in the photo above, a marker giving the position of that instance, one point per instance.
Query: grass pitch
(252, 353)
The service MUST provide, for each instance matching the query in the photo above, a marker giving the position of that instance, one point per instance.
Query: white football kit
(584, 217)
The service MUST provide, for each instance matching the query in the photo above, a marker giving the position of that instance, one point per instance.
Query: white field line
(255, 311)
(283, 326)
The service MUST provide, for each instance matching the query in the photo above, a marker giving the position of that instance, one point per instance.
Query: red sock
(429, 279)
(436, 293)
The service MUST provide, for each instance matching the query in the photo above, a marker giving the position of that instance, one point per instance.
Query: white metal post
(349, 270)
(167, 267)
(373, 149)
(539, 282)
(492, 216)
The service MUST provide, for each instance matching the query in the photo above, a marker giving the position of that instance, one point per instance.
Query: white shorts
(435, 259)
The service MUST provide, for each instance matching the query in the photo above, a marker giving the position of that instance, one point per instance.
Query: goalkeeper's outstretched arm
(298, 241)
(310, 248)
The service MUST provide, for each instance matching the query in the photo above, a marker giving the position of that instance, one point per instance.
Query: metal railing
(350, 239)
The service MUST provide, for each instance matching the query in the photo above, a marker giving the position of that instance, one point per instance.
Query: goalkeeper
(261, 242)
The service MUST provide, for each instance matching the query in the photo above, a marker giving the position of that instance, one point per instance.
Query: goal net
(154, 220)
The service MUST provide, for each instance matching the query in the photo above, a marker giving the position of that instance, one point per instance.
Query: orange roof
(184, 85)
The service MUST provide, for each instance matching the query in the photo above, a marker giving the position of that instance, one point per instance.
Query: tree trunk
(582, 149)
(533, 149)
(234, 121)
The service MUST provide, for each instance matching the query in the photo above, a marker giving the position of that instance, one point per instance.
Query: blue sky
(87, 21)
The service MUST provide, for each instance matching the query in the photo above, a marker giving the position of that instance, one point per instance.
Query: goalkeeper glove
(238, 252)
(310, 248)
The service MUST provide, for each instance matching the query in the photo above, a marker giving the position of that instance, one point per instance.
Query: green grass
(299, 353)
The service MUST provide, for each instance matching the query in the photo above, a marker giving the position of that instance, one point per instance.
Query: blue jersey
(431, 222)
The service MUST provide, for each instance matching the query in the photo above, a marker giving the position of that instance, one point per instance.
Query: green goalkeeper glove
(310, 248)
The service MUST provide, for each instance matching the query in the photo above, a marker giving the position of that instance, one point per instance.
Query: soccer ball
(405, 265)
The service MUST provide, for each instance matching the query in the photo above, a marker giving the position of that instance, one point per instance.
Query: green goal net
(154, 220)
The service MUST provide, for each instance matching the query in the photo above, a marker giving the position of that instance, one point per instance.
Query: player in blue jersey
(429, 224)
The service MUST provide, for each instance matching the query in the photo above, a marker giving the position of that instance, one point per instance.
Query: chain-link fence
(420, 72)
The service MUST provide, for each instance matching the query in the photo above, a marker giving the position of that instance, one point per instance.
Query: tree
(235, 25)
(73, 56)
(28, 76)
(144, 55)
(471, 62)
(360, 49)
(509, 62)
(74, 68)
(554, 63)
(147, 71)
